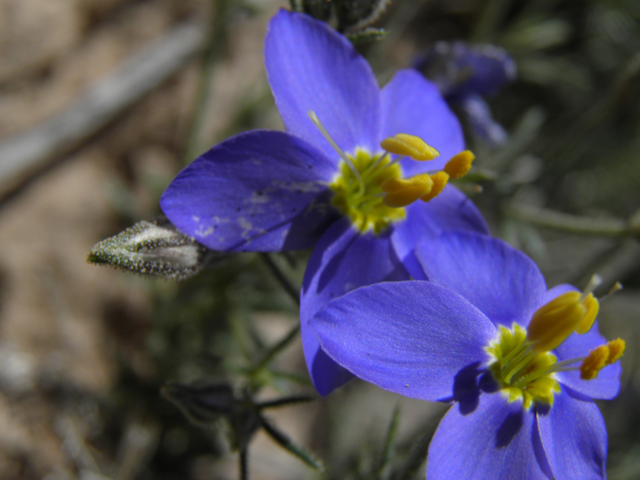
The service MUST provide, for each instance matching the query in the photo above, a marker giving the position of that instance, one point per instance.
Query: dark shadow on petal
(466, 388)
(319, 213)
(387, 261)
(413, 265)
(543, 409)
(304, 229)
(509, 429)
(468, 384)
(332, 266)
(487, 383)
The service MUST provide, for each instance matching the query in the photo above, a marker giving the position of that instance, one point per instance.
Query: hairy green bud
(154, 248)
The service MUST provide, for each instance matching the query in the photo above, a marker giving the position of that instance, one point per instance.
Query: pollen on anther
(594, 362)
(593, 306)
(616, 349)
(409, 146)
(400, 192)
(440, 180)
(459, 164)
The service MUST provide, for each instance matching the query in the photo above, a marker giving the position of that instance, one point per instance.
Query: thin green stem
(244, 463)
(282, 278)
(277, 348)
(300, 379)
(606, 227)
(285, 442)
(390, 441)
(285, 401)
(416, 458)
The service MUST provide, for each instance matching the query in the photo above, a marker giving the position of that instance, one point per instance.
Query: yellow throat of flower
(369, 188)
(522, 363)
(364, 206)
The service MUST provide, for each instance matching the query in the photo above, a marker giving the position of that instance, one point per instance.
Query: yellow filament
(439, 180)
(400, 192)
(410, 146)
(460, 164)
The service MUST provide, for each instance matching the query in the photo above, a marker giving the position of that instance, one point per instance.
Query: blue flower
(464, 74)
(327, 182)
(485, 335)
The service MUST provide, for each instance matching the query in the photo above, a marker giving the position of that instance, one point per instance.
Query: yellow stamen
(439, 180)
(370, 190)
(594, 362)
(616, 349)
(520, 373)
(410, 146)
(592, 305)
(400, 192)
(460, 164)
(552, 323)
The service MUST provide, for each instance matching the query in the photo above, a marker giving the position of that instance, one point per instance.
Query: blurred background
(102, 102)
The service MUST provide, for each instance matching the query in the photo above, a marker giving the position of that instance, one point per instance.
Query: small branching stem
(282, 278)
(277, 348)
(606, 227)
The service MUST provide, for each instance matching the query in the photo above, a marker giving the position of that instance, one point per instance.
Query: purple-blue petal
(451, 210)
(497, 441)
(574, 438)
(312, 67)
(343, 259)
(412, 104)
(412, 338)
(259, 191)
(499, 280)
(481, 120)
(606, 385)
(462, 69)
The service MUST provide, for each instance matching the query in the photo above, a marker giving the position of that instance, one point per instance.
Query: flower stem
(607, 227)
(244, 462)
(418, 453)
(285, 401)
(281, 277)
(277, 348)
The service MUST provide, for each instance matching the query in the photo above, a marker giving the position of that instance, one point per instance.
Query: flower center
(522, 363)
(365, 206)
(369, 189)
(522, 374)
